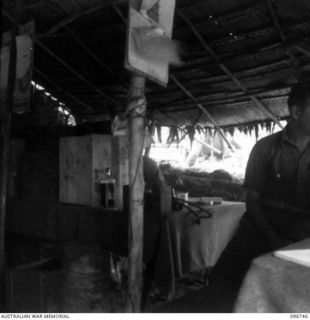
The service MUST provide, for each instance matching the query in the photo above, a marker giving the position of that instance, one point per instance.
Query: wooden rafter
(303, 50)
(95, 57)
(78, 75)
(241, 55)
(203, 24)
(83, 13)
(276, 23)
(217, 83)
(74, 72)
(222, 81)
(250, 123)
(201, 107)
(90, 52)
(62, 91)
(185, 132)
(227, 71)
(240, 13)
(119, 13)
(223, 102)
(233, 15)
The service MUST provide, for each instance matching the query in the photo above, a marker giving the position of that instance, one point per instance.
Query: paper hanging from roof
(24, 66)
(149, 47)
(300, 256)
(4, 69)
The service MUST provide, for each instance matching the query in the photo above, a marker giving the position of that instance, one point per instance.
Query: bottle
(107, 190)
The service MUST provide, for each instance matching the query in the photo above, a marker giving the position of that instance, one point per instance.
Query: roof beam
(303, 50)
(221, 105)
(83, 13)
(200, 106)
(119, 13)
(203, 24)
(276, 23)
(250, 72)
(251, 123)
(114, 3)
(233, 15)
(210, 105)
(77, 74)
(240, 55)
(228, 72)
(61, 91)
(95, 57)
(211, 100)
(185, 132)
(90, 52)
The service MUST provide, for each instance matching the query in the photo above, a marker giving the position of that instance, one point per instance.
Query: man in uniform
(277, 183)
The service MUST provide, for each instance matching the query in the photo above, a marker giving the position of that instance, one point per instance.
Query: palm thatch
(263, 45)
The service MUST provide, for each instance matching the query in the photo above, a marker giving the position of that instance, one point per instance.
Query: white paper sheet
(300, 256)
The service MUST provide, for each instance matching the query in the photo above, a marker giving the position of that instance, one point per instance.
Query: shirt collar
(285, 138)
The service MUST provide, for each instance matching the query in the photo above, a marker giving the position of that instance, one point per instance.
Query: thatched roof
(240, 57)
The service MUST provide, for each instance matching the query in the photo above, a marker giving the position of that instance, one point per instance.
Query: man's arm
(257, 213)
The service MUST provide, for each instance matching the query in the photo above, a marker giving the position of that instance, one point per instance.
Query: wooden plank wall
(75, 176)
(82, 161)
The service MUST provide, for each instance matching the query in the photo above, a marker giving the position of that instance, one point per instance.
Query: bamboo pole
(136, 182)
(289, 51)
(4, 158)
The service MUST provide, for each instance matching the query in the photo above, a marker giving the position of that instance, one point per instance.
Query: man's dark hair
(299, 95)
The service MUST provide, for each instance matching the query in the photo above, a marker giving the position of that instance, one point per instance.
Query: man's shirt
(278, 170)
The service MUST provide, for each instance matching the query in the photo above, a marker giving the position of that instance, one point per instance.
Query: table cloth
(186, 246)
(276, 285)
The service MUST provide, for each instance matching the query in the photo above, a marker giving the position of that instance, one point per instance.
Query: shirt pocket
(279, 185)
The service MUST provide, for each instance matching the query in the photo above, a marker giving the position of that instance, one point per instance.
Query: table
(193, 247)
(276, 285)
(181, 247)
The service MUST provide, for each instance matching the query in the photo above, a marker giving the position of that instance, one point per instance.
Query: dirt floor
(63, 291)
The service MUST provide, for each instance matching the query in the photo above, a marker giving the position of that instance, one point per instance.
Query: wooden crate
(82, 161)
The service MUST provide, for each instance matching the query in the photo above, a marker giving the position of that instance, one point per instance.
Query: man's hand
(257, 213)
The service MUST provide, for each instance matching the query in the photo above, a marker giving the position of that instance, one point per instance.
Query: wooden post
(4, 159)
(136, 110)
(4, 168)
